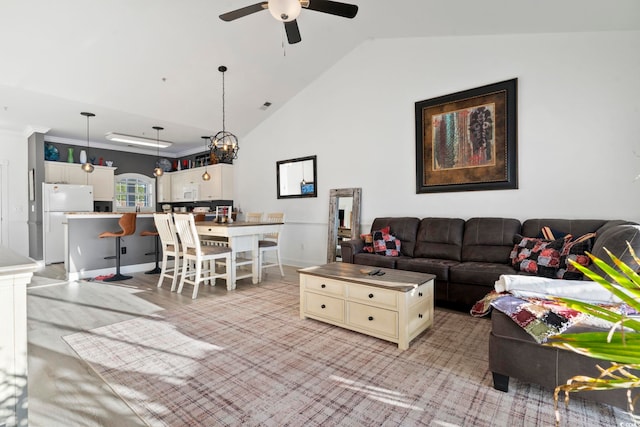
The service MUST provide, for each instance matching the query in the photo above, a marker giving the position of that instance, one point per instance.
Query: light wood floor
(65, 391)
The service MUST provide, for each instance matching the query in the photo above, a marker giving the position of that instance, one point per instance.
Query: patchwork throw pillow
(368, 243)
(540, 257)
(368, 239)
(385, 244)
(574, 249)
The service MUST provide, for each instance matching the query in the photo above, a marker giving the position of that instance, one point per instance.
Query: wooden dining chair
(270, 242)
(254, 216)
(199, 261)
(170, 248)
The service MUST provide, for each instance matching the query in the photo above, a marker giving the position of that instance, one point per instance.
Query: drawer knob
(420, 316)
(419, 294)
(370, 317)
(370, 295)
(323, 306)
(323, 286)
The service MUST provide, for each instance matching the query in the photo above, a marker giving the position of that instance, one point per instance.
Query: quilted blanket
(541, 318)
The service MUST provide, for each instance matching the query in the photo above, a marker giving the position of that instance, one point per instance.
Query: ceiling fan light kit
(287, 11)
(284, 10)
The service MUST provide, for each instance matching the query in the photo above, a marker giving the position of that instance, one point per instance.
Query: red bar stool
(127, 225)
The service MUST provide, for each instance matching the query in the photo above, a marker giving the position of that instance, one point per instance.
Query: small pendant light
(87, 166)
(158, 171)
(205, 175)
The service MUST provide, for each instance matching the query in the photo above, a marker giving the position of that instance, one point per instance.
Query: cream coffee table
(396, 306)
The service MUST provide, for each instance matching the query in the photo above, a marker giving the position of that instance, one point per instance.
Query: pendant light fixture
(205, 175)
(87, 166)
(158, 171)
(225, 142)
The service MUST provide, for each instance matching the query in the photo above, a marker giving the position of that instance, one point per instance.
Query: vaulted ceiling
(141, 63)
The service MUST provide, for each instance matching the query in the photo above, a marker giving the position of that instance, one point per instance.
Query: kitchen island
(85, 252)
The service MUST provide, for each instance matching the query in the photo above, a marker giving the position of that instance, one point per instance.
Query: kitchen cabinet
(183, 186)
(163, 188)
(102, 178)
(188, 185)
(220, 186)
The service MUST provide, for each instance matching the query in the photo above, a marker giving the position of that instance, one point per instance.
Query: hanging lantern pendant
(225, 141)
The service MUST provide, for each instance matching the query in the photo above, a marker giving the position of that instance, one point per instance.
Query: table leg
(255, 256)
(233, 266)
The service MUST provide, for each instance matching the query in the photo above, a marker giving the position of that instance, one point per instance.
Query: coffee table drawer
(372, 295)
(420, 316)
(374, 319)
(324, 306)
(323, 285)
(421, 293)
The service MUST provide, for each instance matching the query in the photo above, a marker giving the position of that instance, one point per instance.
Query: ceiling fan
(288, 10)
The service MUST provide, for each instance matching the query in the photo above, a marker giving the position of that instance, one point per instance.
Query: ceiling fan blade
(293, 32)
(244, 11)
(334, 8)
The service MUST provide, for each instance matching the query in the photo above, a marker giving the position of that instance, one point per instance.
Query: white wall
(578, 140)
(14, 195)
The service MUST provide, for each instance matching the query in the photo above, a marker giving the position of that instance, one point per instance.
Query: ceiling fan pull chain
(284, 45)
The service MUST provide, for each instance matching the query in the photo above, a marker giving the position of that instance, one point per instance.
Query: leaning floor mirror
(344, 219)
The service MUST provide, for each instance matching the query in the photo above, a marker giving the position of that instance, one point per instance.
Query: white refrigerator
(56, 200)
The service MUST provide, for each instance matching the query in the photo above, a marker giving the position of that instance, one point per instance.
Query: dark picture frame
(297, 178)
(467, 141)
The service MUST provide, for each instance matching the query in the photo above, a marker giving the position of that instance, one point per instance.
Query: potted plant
(619, 345)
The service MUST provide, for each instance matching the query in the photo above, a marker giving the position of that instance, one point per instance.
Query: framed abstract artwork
(467, 140)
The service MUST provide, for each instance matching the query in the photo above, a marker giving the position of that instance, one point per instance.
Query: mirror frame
(334, 222)
(313, 193)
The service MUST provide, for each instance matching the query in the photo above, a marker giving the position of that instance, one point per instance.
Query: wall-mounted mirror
(297, 178)
(344, 219)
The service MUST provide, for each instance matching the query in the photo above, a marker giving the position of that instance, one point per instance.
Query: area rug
(246, 358)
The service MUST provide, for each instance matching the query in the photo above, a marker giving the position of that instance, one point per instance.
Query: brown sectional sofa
(467, 258)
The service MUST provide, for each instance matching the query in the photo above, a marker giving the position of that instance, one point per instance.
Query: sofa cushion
(403, 228)
(439, 267)
(479, 273)
(440, 238)
(489, 239)
(575, 227)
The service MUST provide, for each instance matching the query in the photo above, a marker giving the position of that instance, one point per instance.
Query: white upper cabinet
(102, 178)
(220, 186)
(188, 185)
(163, 188)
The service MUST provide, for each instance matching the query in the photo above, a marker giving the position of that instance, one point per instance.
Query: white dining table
(242, 237)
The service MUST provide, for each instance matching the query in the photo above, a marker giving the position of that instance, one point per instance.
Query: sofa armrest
(349, 248)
